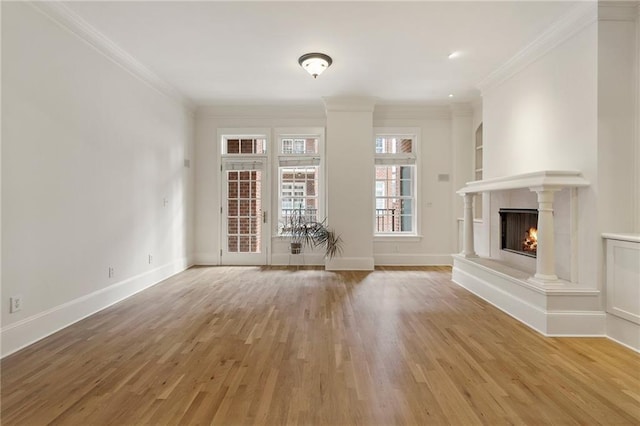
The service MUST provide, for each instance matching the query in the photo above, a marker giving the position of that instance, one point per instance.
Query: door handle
(264, 217)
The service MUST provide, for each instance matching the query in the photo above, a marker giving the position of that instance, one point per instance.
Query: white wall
(93, 177)
(208, 121)
(617, 155)
(637, 127)
(462, 149)
(435, 198)
(545, 118)
(436, 243)
(350, 176)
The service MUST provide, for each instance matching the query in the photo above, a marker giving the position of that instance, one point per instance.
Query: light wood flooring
(249, 345)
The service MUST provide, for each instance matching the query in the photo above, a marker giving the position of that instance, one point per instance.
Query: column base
(545, 278)
(468, 255)
(550, 281)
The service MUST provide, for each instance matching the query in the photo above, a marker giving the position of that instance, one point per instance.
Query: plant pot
(296, 248)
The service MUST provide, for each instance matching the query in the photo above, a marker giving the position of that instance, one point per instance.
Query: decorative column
(468, 246)
(546, 253)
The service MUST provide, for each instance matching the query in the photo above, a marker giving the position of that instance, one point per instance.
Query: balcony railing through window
(386, 220)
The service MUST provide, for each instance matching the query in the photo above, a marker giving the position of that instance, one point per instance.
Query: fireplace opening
(519, 231)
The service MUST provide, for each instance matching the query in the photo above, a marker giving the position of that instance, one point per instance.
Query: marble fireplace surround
(543, 301)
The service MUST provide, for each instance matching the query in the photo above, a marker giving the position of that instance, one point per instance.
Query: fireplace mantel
(544, 301)
(547, 179)
(544, 183)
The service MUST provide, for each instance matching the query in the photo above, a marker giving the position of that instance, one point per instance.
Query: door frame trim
(249, 132)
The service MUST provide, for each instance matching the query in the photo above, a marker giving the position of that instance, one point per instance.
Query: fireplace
(519, 232)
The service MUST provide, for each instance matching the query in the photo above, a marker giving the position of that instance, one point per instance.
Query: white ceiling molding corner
(411, 112)
(618, 11)
(66, 18)
(262, 111)
(573, 22)
(461, 109)
(349, 103)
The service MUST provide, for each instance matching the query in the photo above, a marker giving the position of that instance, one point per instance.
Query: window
(300, 146)
(299, 183)
(395, 183)
(243, 165)
(380, 193)
(244, 145)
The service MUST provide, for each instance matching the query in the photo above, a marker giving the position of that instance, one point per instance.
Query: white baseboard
(206, 259)
(302, 259)
(576, 324)
(29, 330)
(625, 332)
(528, 306)
(396, 259)
(506, 302)
(350, 264)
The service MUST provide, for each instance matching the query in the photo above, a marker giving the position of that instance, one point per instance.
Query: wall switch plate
(150, 259)
(111, 272)
(15, 304)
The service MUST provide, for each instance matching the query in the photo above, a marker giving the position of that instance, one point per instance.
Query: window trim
(281, 133)
(265, 159)
(403, 159)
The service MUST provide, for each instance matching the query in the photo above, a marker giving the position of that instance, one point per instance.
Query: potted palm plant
(304, 231)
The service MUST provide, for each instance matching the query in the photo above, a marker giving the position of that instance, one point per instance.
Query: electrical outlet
(150, 259)
(15, 304)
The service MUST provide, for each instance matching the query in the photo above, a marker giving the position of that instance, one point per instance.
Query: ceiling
(243, 53)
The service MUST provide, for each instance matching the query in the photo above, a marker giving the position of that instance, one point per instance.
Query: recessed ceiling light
(451, 95)
(455, 54)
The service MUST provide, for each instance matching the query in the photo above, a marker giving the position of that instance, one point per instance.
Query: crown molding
(66, 18)
(617, 11)
(573, 22)
(258, 112)
(461, 110)
(350, 104)
(410, 112)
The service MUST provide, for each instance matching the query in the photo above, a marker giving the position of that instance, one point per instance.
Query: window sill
(403, 238)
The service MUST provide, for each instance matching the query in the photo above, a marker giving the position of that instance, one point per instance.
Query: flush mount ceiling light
(315, 63)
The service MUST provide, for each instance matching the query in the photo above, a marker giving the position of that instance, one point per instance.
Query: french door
(244, 212)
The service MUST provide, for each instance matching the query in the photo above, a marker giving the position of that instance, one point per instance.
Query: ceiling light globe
(315, 63)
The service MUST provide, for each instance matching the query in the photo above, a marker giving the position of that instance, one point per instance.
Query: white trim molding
(617, 11)
(566, 310)
(58, 12)
(410, 112)
(259, 112)
(547, 179)
(578, 18)
(623, 288)
(352, 104)
(398, 259)
(25, 332)
(350, 264)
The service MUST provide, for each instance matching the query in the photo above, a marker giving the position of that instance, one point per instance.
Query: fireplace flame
(530, 242)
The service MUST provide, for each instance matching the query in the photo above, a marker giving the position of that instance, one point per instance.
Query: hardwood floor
(275, 346)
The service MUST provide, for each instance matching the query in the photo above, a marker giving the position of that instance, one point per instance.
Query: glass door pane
(243, 221)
